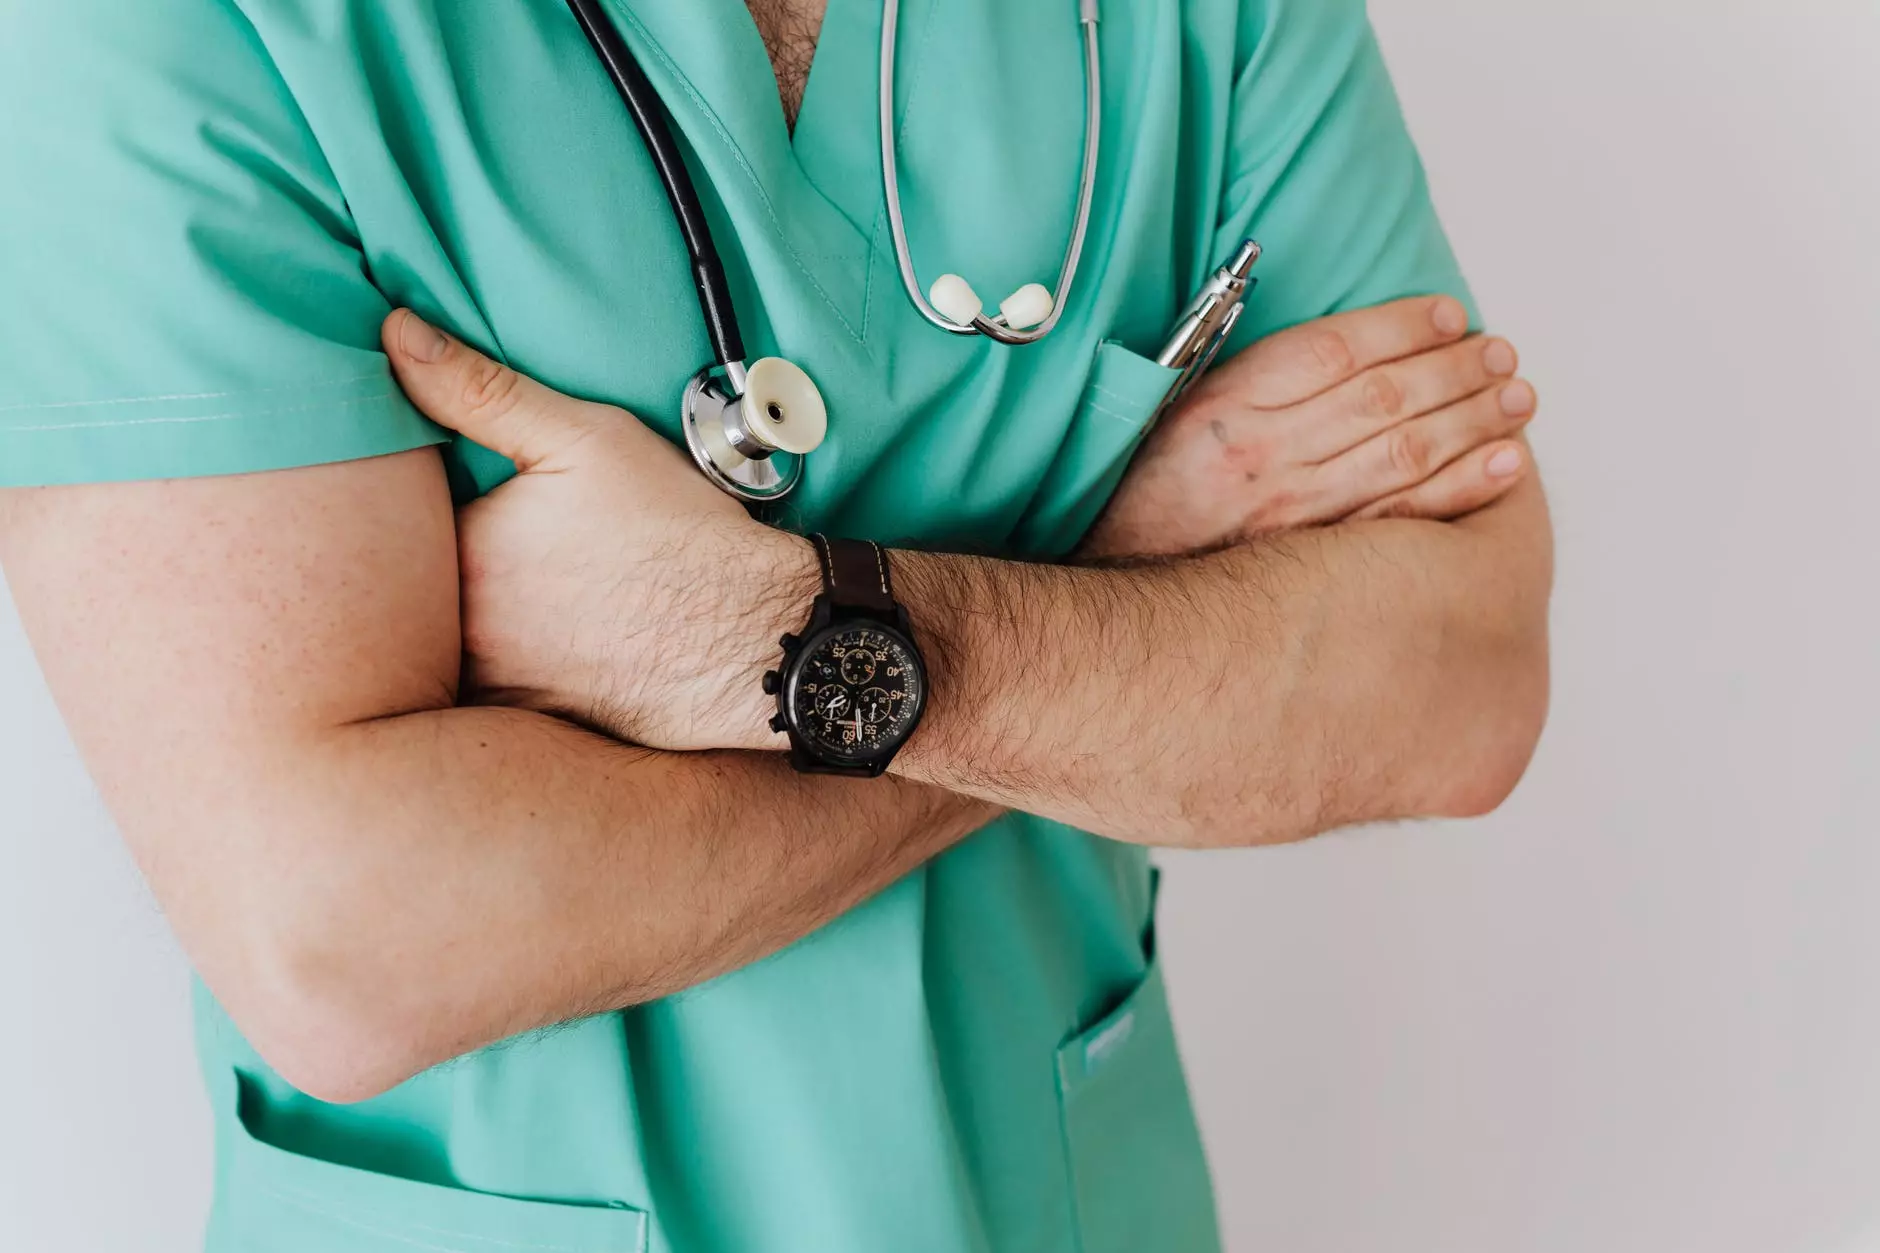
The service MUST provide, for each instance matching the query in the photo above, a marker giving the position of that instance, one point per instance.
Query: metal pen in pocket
(1208, 320)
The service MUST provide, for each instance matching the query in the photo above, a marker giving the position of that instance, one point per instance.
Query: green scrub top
(209, 205)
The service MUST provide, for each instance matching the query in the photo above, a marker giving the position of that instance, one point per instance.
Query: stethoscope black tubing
(708, 271)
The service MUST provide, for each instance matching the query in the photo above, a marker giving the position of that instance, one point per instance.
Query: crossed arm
(1266, 692)
(262, 672)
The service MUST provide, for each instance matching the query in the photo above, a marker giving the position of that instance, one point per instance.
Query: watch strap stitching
(821, 543)
(847, 579)
(881, 568)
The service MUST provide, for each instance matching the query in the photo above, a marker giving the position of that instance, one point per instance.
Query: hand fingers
(1413, 451)
(1464, 485)
(1295, 365)
(456, 386)
(1385, 395)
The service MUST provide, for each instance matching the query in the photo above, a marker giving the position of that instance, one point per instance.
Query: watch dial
(857, 692)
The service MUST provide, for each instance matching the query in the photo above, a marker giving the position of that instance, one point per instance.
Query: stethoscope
(749, 427)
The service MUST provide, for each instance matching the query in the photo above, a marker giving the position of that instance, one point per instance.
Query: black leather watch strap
(855, 574)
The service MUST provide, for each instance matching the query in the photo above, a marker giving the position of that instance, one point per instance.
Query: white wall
(1639, 1010)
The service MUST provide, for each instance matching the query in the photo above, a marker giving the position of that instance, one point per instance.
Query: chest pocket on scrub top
(1123, 392)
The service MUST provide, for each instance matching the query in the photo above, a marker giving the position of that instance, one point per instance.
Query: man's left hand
(608, 582)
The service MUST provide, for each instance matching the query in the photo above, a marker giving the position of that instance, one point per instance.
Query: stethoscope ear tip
(954, 299)
(1029, 306)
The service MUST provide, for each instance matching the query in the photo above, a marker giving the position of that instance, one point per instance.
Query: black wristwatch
(852, 686)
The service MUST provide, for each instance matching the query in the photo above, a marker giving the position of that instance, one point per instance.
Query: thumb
(458, 387)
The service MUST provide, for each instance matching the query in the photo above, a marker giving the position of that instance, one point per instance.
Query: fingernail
(1450, 317)
(1499, 357)
(420, 340)
(1504, 463)
(1517, 399)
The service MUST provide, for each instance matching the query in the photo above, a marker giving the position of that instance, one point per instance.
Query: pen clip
(1205, 358)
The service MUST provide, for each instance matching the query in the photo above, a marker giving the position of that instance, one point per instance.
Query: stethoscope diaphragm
(749, 434)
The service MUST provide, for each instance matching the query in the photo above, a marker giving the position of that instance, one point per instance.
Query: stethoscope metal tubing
(993, 328)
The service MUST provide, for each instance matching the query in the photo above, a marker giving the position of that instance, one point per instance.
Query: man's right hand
(1383, 412)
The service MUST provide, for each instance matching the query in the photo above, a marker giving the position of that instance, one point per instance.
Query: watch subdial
(858, 667)
(832, 702)
(876, 705)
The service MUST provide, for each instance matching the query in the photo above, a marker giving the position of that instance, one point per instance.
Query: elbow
(343, 1075)
(331, 1080)
(324, 1015)
(1463, 758)
(1501, 735)
(334, 1048)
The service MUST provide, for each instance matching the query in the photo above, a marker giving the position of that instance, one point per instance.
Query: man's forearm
(447, 879)
(1268, 692)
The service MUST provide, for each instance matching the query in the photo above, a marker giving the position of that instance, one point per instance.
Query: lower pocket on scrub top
(269, 1199)
(1137, 1167)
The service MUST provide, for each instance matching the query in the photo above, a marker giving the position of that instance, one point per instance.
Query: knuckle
(1332, 350)
(491, 388)
(1412, 453)
(1381, 397)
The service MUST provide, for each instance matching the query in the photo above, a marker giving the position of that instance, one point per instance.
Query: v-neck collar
(837, 141)
(703, 57)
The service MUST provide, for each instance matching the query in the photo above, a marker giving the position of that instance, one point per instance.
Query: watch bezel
(808, 745)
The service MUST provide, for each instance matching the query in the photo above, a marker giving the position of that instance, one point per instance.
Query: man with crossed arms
(414, 782)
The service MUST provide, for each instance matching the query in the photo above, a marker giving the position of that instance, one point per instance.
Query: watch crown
(778, 725)
(770, 682)
(790, 642)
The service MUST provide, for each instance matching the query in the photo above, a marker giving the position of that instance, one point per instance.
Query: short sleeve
(181, 291)
(1322, 171)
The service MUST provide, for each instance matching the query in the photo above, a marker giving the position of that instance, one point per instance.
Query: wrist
(938, 592)
(782, 581)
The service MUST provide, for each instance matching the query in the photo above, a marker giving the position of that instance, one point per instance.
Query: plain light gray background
(1639, 1010)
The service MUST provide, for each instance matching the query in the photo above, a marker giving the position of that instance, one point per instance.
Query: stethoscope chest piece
(752, 443)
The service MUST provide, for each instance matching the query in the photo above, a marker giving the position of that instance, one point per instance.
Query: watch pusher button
(790, 642)
(778, 725)
(771, 679)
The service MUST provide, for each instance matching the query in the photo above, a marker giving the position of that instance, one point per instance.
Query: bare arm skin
(261, 671)
(1273, 689)
(1295, 680)
(262, 674)
(1268, 692)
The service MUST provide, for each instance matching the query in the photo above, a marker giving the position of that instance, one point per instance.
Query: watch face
(856, 692)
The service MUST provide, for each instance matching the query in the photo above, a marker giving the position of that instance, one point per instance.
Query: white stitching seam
(1122, 396)
(317, 1206)
(206, 417)
(1133, 419)
(151, 400)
